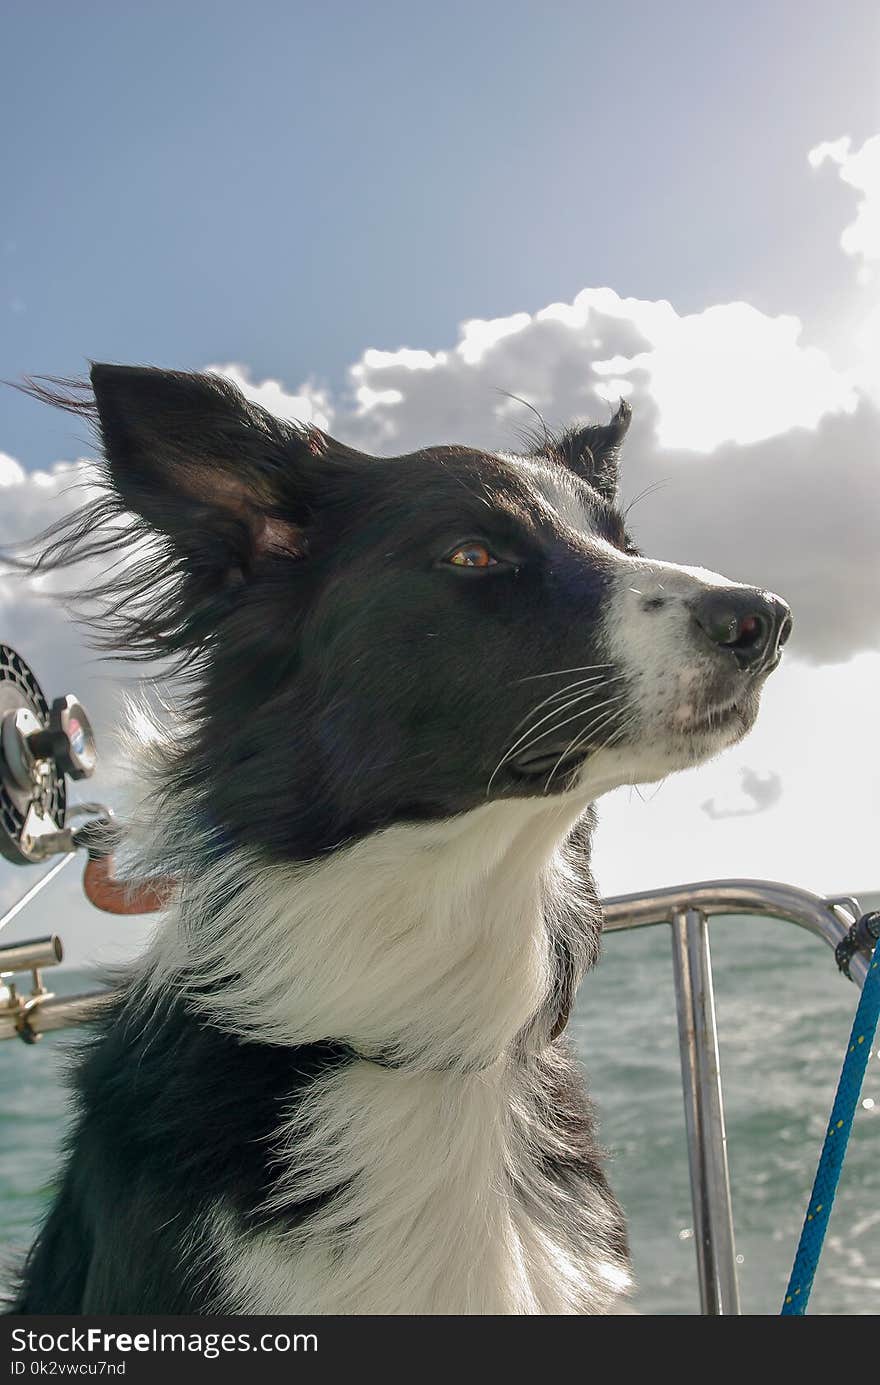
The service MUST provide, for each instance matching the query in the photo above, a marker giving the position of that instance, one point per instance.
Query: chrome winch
(41, 746)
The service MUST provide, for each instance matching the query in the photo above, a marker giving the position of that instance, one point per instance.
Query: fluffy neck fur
(442, 1203)
(432, 945)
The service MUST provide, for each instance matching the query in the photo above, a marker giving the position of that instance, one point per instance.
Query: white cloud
(308, 405)
(861, 170)
(478, 336)
(761, 790)
(11, 471)
(732, 374)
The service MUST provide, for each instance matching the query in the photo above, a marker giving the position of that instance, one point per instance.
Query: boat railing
(687, 910)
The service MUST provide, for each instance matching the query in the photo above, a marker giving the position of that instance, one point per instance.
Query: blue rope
(836, 1139)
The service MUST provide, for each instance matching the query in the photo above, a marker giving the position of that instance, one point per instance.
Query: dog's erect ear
(221, 477)
(593, 451)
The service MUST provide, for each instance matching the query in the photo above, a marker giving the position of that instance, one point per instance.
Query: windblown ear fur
(197, 461)
(592, 450)
(202, 490)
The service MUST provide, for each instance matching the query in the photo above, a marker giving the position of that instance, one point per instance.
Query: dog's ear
(592, 450)
(222, 478)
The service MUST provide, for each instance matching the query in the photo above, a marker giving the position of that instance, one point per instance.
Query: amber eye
(472, 555)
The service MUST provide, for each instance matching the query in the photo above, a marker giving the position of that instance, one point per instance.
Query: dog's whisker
(556, 711)
(557, 672)
(564, 692)
(581, 740)
(583, 697)
(603, 678)
(643, 494)
(598, 707)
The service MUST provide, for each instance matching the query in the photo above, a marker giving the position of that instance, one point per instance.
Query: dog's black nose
(752, 624)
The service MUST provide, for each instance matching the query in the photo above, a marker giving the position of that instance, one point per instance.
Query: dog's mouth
(710, 719)
(708, 722)
(543, 762)
(696, 725)
(724, 723)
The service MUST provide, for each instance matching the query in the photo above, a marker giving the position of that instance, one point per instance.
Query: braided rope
(843, 1112)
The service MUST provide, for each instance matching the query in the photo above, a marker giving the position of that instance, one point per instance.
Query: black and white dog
(338, 1081)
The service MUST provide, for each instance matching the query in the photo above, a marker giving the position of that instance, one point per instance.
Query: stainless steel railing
(687, 909)
(830, 919)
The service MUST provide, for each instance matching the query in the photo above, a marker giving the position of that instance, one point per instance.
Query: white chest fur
(434, 945)
(443, 1207)
(425, 942)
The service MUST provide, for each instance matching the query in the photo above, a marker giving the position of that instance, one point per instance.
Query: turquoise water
(784, 1016)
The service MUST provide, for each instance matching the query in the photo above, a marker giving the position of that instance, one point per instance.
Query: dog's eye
(472, 555)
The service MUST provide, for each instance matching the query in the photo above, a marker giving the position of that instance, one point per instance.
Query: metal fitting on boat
(16, 1011)
(31, 955)
(862, 938)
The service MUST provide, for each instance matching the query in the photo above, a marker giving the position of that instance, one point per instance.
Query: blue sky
(289, 184)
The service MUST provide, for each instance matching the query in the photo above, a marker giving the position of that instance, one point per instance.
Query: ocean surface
(784, 1015)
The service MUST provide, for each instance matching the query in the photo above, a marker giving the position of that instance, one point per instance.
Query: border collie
(338, 1082)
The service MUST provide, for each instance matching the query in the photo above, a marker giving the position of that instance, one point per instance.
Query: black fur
(290, 577)
(169, 1110)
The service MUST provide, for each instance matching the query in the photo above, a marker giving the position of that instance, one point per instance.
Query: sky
(379, 217)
